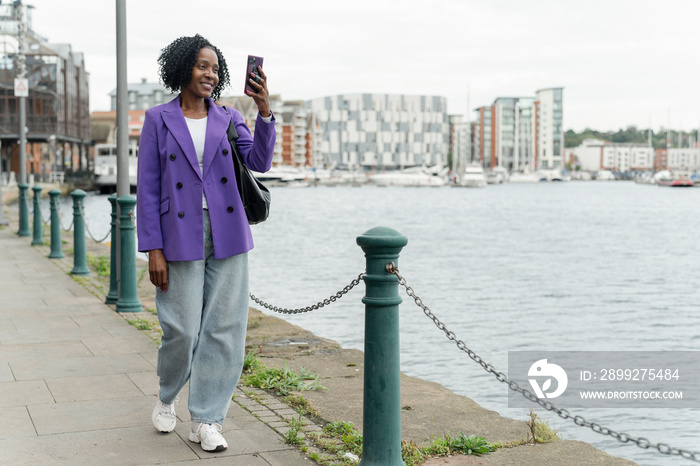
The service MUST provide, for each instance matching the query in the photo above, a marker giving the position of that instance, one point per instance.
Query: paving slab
(81, 366)
(27, 352)
(16, 423)
(82, 416)
(22, 393)
(97, 387)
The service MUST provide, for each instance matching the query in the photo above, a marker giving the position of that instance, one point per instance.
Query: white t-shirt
(198, 132)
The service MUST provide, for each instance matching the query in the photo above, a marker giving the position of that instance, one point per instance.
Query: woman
(193, 226)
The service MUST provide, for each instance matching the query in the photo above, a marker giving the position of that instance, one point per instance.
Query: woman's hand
(261, 97)
(158, 269)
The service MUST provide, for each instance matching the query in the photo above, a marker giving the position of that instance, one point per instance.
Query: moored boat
(414, 176)
(106, 167)
(473, 177)
(524, 177)
(674, 179)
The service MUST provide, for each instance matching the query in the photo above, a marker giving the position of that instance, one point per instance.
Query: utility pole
(122, 104)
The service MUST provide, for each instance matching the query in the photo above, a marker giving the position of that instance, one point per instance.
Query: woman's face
(205, 74)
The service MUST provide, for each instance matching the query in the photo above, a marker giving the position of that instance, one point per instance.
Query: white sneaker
(209, 436)
(163, 417)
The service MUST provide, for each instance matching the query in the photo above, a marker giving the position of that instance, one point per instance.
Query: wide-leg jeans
(204, 316)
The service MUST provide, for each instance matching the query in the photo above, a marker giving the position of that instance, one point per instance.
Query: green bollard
(38, 220)
(23, 211)
(56, 252)
(128, 300)
(113, 295)
(381, 414)
(80, 266)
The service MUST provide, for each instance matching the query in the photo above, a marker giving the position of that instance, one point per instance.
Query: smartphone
(252, 67)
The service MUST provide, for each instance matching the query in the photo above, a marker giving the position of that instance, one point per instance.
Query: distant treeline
(631, 134)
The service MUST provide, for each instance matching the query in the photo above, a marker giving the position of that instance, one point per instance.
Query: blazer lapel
(217, 124)
(174, 119)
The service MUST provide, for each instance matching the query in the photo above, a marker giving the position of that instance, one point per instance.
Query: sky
(620, 62)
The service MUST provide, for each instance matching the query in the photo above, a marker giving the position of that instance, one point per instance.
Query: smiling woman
(193, 226)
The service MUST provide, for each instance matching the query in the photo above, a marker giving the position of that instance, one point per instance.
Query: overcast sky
(620, 62)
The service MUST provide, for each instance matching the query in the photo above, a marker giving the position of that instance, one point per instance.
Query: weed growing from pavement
(281, 381)
(292, 437)
(101, 264)
(141, 324)
(300, 405)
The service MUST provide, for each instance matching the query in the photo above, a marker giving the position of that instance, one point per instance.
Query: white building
(549, 128)
(594, 154)
(684, 158)
(382, 130)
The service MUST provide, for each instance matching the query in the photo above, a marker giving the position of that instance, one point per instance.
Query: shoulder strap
(231, 131)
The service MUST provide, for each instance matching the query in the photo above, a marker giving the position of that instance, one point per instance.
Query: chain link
(82, 214)
(58, 212)
(501, 377)
(313, 307)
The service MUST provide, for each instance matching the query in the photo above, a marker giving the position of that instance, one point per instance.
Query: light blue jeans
(204, 316)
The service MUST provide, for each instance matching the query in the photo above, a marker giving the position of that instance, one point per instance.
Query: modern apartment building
(299, 135)
(549, 128)
(521, 133)
(57, 108)
(382, 130)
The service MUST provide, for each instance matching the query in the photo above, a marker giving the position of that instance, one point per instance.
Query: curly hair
(177, 60)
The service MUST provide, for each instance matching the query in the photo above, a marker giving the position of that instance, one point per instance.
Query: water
(579, 266)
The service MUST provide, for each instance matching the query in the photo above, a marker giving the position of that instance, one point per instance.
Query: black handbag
(254, 195)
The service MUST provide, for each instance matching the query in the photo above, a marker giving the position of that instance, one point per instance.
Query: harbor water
(578, 266)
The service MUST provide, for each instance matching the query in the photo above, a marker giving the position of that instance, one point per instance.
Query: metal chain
(82, 214)
(46, 222)
(313, 307)
(563, 413)
(58, 211)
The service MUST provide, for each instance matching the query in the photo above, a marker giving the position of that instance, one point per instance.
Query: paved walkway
(78, 383)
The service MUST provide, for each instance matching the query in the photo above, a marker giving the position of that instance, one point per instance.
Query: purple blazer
(169, 189)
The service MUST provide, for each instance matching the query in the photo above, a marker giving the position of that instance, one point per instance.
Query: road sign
(21, 87)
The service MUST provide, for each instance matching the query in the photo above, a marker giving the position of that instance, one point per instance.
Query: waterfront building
(514, 137)
(57, 108)
(595, 154)
(683, 158)
(300, 136)
(549, 128)
(521, 133)
(382, 130)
